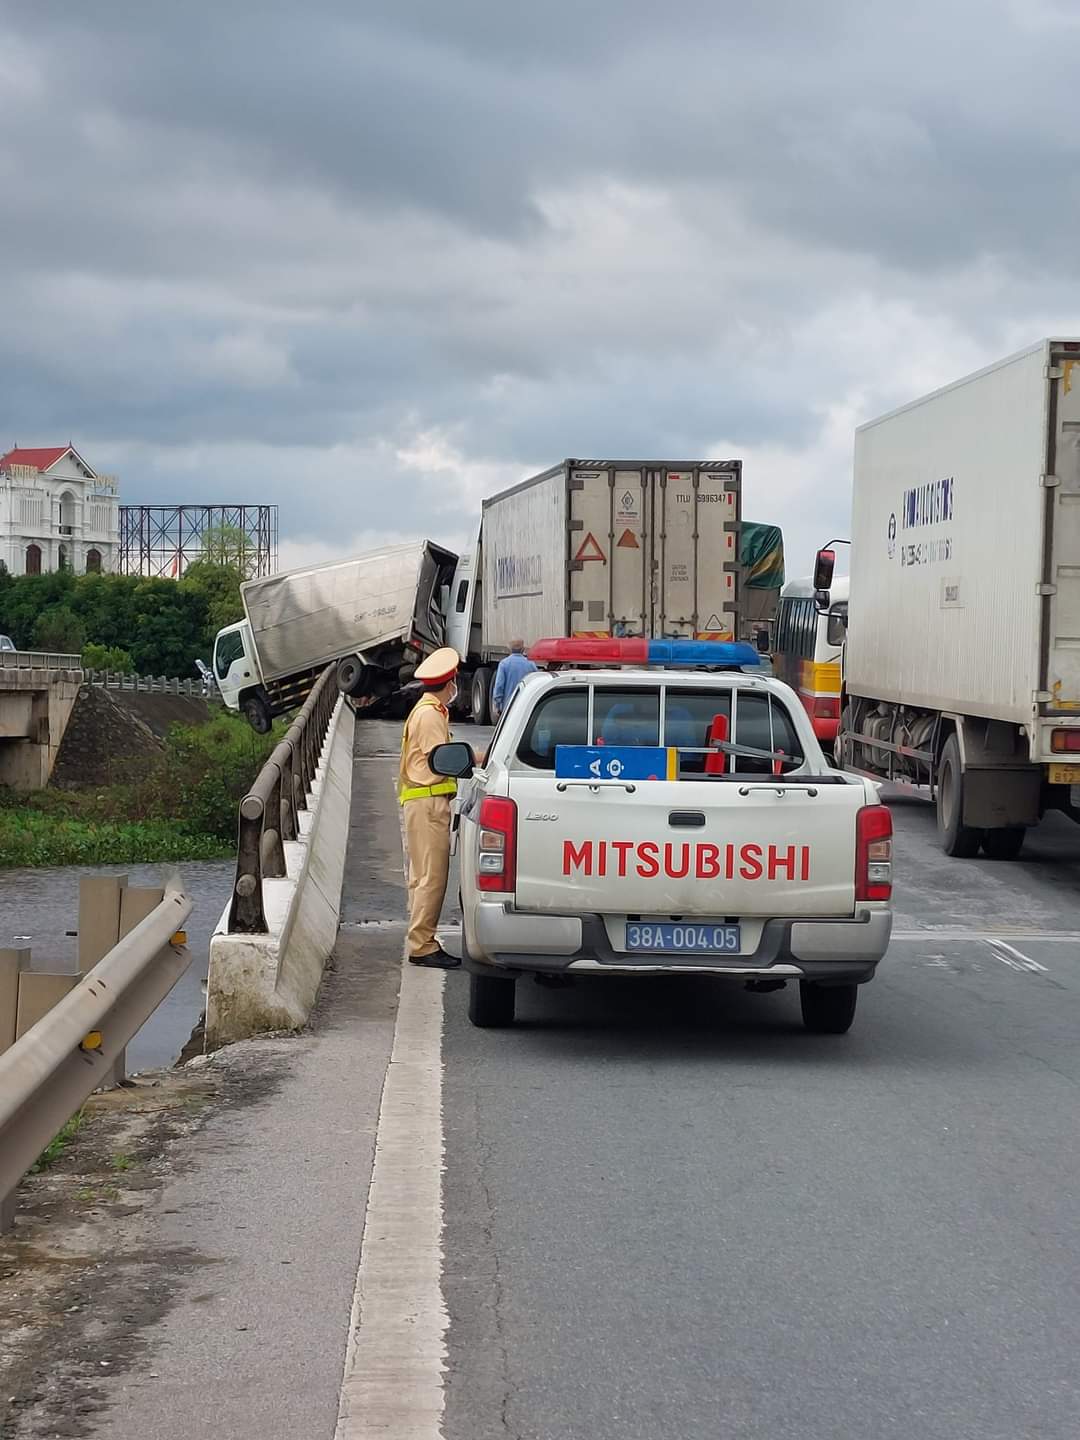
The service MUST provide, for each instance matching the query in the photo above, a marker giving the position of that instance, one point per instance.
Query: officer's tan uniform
(425, 799)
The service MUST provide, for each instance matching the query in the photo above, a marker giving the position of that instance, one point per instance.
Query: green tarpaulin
(762, 556)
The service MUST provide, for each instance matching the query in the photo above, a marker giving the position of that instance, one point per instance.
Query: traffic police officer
(425, 800)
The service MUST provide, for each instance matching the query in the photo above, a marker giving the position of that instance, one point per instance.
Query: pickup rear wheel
(827, 1009)
(491, 1001)
(957, 839)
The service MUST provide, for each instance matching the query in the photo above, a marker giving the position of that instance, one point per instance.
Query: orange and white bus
(807, 650)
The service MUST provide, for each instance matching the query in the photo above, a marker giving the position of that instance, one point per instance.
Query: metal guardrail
(38, 660)
(71, 1051)
(152, 684)
(269, 812)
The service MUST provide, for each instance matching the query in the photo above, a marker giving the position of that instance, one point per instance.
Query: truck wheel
(491, 1001)
(957, 839)
(350, 675)
(827, 1009)
(480, 704)
(1004, 844)
(257, 714)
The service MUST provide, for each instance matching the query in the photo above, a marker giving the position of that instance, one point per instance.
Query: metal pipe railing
(71, 1051)
(270, 811)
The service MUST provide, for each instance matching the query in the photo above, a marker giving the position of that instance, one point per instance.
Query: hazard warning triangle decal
(628, 541)
(590, 549)
(714, 622)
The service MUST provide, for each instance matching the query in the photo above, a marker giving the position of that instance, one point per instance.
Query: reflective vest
(421, 792)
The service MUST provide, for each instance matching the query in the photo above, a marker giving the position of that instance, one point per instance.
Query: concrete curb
(269, 982)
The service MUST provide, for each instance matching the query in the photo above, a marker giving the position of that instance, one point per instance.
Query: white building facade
(56, 513)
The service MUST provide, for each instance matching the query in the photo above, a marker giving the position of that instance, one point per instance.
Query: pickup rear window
(632, 717)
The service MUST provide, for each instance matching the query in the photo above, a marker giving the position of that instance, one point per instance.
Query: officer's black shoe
(437, 960)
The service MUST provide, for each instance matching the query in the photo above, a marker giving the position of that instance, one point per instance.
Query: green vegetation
(182, 808)
(58, 629)
(160, 626)
(29, 839)
(107, 657)
(58, 1144)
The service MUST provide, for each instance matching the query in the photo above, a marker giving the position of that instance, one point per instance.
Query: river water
(37, 907)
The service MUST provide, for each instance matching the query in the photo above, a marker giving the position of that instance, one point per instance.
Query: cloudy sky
(375, 261)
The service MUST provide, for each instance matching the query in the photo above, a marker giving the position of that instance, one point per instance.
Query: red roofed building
(56, 513)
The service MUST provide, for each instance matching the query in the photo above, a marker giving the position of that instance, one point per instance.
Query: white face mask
(452, 697)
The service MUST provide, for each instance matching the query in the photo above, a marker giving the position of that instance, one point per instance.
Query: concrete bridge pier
(35, 707)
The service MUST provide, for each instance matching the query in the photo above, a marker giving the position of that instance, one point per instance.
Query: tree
(218, 587)
(161, 625)
(105, 657)
(60, 631)
(226, 546)
(167, 633)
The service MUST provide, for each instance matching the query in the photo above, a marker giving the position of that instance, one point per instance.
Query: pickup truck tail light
(873, 853)
(496, 862)
(1064, 742)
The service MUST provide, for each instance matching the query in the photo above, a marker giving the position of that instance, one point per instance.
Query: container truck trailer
(962, 654)
(608, 548)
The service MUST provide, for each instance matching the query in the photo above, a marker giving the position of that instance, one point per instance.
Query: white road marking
(396, 1355)
(1009, 955)
(945, 932)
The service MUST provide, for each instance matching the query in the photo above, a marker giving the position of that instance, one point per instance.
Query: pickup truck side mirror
(454, 759)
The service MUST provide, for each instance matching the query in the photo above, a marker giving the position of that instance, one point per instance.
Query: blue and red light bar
(603, 650)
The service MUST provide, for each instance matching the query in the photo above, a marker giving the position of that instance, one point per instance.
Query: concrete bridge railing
(276, 935)
(152, 684)
(38, 660)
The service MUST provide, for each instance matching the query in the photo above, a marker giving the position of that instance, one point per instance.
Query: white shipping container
(301, 619)
(965, 567)
(623, 548)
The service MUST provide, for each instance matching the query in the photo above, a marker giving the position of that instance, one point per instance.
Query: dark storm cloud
(413, 248)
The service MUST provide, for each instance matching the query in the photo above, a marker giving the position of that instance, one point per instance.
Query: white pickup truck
(737, 852)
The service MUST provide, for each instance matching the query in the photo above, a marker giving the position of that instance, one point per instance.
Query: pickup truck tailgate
(685, 848)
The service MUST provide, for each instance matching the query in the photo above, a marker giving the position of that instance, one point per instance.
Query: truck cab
(644, 821)
(459, 607)
(236, 671)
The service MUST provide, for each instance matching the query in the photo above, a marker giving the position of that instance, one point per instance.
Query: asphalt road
(672, 1213)
(668, 1212)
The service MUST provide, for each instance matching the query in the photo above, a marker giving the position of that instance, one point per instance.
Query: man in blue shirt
(509, 676)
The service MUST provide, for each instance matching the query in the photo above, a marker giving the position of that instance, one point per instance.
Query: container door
(1063, 502)
(697, 553)
(609, 552)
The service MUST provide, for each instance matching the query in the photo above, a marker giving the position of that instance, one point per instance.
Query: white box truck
(606, 547)
(377, 615)
(962, 655)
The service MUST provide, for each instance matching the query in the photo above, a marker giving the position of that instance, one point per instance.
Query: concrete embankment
(269, 981)
(115, 733)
